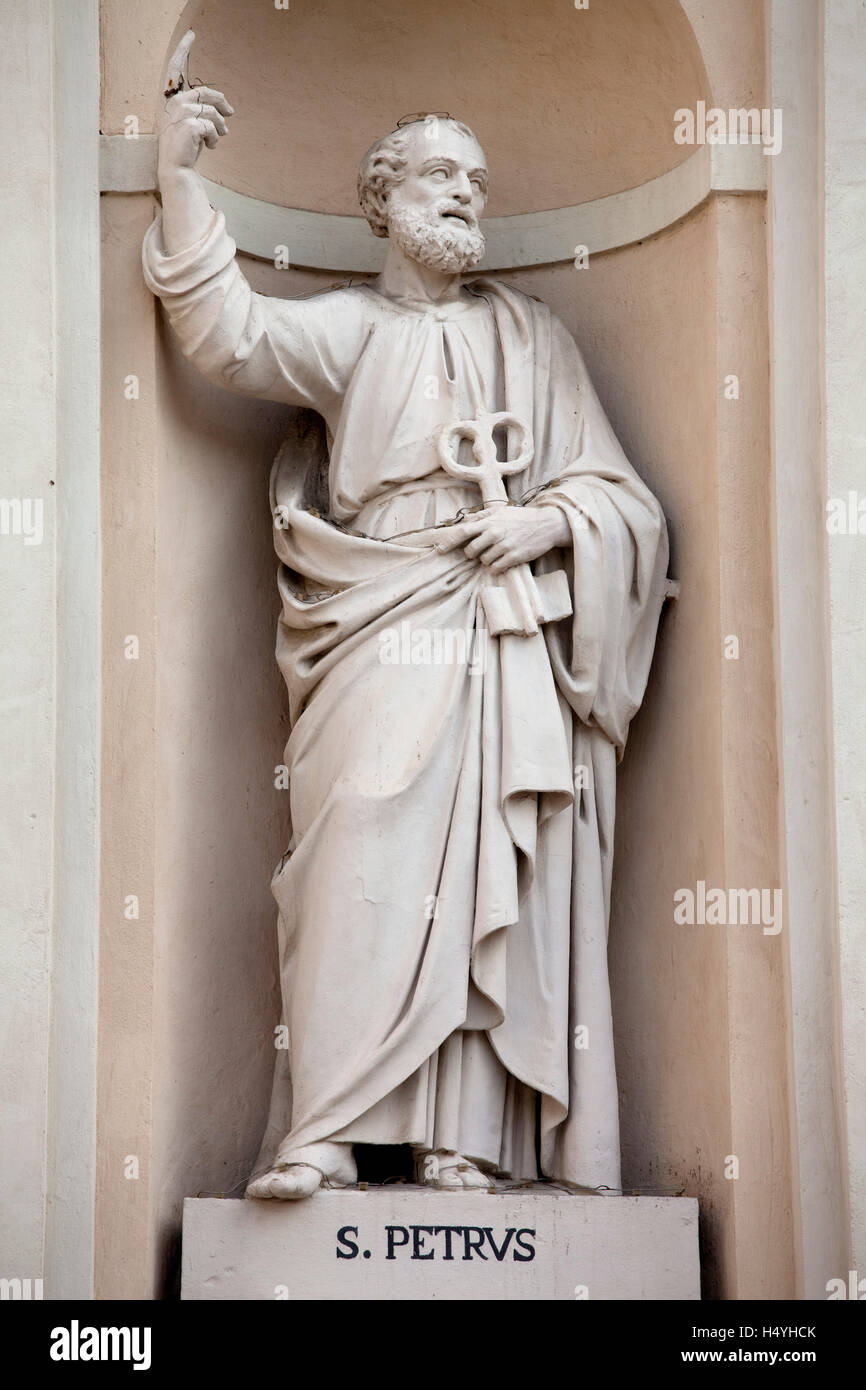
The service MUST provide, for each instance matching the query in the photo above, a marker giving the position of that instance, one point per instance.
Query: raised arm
(300, 352)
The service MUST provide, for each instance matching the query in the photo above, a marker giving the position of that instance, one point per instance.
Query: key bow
(487, 471)
(517, 601)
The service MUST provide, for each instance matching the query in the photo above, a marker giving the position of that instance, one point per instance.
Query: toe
(285, 1184)
(449, 1178)
(473, 1177)
(297, 1181)
(259, 1189)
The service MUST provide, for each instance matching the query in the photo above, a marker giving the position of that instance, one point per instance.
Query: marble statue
(466, 632)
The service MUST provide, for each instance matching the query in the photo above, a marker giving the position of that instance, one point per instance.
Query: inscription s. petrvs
(442, 1243)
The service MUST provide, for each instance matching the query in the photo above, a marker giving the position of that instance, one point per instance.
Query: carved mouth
(453, 214)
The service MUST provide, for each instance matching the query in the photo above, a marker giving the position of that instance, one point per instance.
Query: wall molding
(327, 241)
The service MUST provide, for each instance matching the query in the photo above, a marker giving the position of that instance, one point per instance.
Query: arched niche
(571, 105)
(589, 115)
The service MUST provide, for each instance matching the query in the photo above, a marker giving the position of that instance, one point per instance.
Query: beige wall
(222, 825)
(194, 728)
(124, 1244)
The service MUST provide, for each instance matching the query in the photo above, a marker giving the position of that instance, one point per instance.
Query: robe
(444, 901)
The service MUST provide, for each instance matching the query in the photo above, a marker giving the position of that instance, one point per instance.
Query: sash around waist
(437, 479)
(384, 514)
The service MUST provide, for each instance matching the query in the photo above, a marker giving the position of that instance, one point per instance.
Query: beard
(449, 247)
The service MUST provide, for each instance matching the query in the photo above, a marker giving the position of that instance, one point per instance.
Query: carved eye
(439, 174)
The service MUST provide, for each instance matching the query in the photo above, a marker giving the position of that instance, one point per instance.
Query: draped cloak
(444, 902)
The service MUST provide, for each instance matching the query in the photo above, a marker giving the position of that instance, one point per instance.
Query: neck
(403, 278)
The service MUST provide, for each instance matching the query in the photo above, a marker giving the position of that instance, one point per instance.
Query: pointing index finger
(177, 61)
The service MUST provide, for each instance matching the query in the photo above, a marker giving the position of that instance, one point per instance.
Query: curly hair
(384, 166)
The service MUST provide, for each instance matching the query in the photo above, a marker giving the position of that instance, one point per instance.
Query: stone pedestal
(408, 1243)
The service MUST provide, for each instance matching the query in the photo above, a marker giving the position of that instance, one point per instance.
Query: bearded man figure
(443, 906)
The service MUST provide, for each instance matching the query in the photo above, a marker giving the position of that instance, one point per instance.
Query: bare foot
(449, 1171)
(301, 1172)
(288, 1184)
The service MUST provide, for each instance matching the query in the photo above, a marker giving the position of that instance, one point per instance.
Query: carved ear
(377, 207)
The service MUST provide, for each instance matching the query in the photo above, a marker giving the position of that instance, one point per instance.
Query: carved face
(434, 211)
